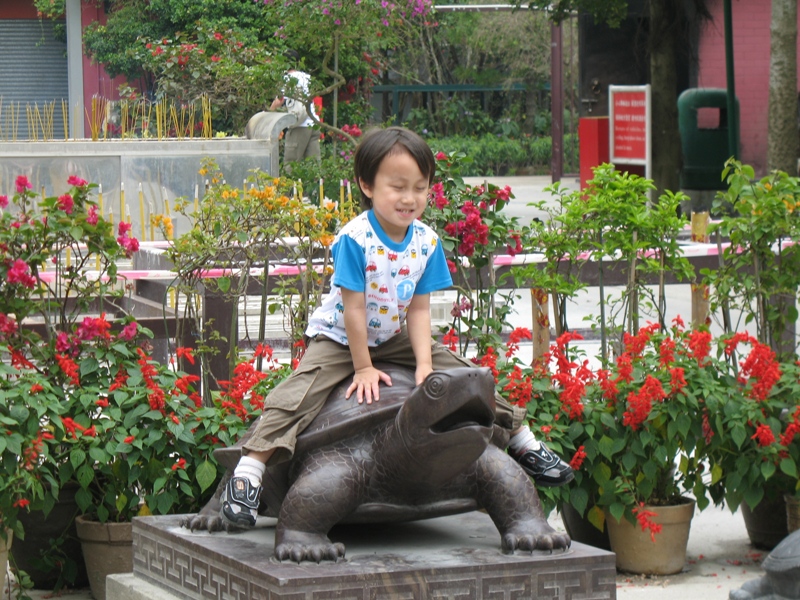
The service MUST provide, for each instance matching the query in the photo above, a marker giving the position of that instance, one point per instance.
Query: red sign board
(629, 126)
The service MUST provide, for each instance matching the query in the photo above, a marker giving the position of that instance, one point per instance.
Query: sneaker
(240, 502)
(546, 468)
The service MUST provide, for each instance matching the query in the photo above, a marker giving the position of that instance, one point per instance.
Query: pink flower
(19, 273)
(3, 201)
(62, 342)
(23, 184)
(123, 228)
(92, 216)
(441, 156)
(66, 203)
(129, 331)
(76, 181)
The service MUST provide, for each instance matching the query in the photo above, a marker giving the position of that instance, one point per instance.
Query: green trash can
(703, 122)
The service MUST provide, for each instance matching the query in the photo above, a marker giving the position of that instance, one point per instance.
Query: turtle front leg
(327, 490)
(511, 500)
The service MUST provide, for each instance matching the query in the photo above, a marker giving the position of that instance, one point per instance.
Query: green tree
(782, 143)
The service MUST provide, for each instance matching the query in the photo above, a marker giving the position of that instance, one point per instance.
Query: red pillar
(593, 136)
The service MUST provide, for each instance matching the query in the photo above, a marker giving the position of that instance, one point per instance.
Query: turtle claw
(201, 522)
(534, 537)
(316, 553)
(298, 546)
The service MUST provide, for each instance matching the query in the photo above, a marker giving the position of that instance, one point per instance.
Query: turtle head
(447, 421)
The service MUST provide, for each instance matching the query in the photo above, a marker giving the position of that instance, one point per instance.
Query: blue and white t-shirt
(389, 273)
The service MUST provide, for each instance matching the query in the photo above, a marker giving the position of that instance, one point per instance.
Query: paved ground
(719, 556)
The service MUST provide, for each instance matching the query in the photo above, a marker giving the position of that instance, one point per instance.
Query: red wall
(96, 81)
(751, 19)
(17, 9)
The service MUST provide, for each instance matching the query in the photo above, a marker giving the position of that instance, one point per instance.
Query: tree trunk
(782, 141)
(665, 33)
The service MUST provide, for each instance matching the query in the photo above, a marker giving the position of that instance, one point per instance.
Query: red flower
(577, 459)
(699, 345)
(644, 516)
(102, 402)
(763, 435)
(450, 339)
(181, 464)
(21, 503)
(76, 181)
(129, 439)
(185, 353)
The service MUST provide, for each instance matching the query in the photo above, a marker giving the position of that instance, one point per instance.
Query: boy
(386, 264)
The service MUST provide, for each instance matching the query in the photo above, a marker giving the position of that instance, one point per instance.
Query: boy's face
(399, 194)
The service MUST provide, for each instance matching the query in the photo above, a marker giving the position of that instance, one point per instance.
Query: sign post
(630, 138)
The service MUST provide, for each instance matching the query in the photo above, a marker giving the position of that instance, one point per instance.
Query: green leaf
(579, 498)
(206, 475)
(77, 457)
(84, 475)
(716, 473)
(89, 365)
(789, 467)
(597, 517)
(606, 447)
(224, 284)
(738, 434)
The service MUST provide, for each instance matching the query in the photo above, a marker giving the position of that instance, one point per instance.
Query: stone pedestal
(455, 557)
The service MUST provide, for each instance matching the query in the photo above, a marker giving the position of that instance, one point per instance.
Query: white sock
(251, 468)
(524, 440)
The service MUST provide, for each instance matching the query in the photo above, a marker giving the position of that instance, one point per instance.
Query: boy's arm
(418, 324)
(366, 378)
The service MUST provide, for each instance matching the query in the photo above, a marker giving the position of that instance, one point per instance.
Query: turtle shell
(785, 556)
(338, 419)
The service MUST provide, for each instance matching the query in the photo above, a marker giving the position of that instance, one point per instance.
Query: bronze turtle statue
(420, 452)
(782, 579)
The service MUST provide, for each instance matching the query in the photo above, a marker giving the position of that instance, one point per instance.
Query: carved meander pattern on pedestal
(196, 567)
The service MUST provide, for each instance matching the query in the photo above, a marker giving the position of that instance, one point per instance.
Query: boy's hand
(366, 384)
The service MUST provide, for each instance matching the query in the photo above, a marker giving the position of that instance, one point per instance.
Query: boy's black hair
(377, 144)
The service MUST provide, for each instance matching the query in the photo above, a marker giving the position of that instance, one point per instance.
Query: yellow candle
(69, 257)
(152, 225)
(349, 195)
(141, 212)
(121, 201)
(196, 200)
(166, 201)
(321, 192)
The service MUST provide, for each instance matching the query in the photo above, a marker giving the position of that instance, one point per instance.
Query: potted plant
(44, 286)
(137, 437)
(636, 435)
(754, 451)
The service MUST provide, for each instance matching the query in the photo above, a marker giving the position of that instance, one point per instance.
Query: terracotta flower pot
(107, 549)
(638, 553)
(5, 545)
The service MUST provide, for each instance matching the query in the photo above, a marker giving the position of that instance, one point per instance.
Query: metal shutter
(33, 74)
